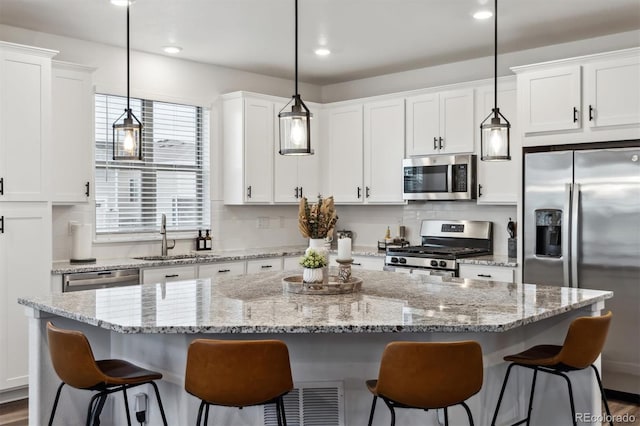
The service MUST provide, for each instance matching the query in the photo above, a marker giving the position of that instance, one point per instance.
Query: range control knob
(394, 260)
(443, 263)
(403, 260)
(434, 263)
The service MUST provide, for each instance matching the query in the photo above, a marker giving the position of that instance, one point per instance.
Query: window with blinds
(173, 178)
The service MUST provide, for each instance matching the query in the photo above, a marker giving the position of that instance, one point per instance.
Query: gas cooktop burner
(433, 251)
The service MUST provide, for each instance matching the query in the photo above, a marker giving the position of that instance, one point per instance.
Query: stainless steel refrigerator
(582, 229)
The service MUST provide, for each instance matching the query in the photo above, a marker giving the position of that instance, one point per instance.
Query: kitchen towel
(81, 239)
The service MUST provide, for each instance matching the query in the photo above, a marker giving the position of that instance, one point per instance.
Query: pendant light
(127, 129)
(295, 123)
(495, 129)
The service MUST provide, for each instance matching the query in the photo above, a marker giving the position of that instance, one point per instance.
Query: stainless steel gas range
(443, 241)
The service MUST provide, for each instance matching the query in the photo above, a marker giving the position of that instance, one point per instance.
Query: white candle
(344, 248)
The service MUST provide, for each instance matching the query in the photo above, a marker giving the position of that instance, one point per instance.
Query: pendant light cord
(296, 38)
(495, 59)
(128, 106)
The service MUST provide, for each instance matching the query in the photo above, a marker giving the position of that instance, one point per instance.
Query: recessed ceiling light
(483, 14)
(172, 49)
(322, 51)
(122, 2)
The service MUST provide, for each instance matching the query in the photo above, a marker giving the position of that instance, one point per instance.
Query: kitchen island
(335, 342)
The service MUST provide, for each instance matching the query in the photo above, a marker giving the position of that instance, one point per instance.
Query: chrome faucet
(163, 231)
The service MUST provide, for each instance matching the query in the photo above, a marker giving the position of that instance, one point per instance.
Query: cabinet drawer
(165, 275)
(221, 269)
(263, 265)
(371, 263)
(487, 273)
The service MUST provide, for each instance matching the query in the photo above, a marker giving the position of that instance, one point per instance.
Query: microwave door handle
(575, 225)
(566, 236)
(450, 178)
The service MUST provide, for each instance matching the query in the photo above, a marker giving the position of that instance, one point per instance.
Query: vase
(312, 275)
(319, 245)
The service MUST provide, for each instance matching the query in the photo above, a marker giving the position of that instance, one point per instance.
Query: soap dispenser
(200, 241)
(207, 241)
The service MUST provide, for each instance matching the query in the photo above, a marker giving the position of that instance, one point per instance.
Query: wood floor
(16, 413)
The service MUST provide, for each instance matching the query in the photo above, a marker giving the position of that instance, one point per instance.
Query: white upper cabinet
(440, 123)
(25, 122)
(248, 146)
(587, 99)
(297, 176)
(73, 133)
(551, 99)
(345, 141)
(383, 151)
(498, 181)
(612, 92)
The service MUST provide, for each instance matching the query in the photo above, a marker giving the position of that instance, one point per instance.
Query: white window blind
(172, 179)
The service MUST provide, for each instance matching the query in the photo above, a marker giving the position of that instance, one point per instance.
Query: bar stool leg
(446, 417)
(284, 416)
(200, 413)
(533, 388)
(206, 415)
(126, 405)
(393, 412)
(504, 386)
(466, 407)
(164, 418)
(373, 409)
(603, 396)
(278, 412)
(573, 408)
(55, 404)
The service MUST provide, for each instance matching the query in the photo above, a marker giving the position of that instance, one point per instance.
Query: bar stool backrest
(430, 375)
(238, 373)
(72, 358)
(584, 341)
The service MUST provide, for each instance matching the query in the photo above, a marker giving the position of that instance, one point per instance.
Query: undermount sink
(174, 257)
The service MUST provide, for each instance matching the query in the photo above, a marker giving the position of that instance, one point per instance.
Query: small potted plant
(313, 262)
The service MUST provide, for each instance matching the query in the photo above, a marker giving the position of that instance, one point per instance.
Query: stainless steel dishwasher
(100, 279)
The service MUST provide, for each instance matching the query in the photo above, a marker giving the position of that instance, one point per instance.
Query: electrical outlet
(141, 407)
(263, 223)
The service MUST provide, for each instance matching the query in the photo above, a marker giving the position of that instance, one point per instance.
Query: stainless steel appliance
(101, 279)
(582, 229)
(443, 241)
(439, 177)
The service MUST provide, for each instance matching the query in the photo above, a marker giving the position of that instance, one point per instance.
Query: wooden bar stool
(76, 366)
(427, 376)
(582, 346)
(238, 373)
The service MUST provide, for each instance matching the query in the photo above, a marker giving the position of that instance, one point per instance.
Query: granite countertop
(490, 260)
(198, 257)
(257, 303)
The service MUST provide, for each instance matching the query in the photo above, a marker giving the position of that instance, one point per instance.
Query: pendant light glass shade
(295, 117)
(495, 129)
(127, 129)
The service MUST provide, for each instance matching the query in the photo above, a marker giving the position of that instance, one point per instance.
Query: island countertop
(257, 303)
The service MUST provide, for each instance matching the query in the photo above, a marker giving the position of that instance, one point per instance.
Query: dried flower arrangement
(317, 220)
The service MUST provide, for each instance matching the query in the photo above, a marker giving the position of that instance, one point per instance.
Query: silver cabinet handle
(566, 232)
(575, 227)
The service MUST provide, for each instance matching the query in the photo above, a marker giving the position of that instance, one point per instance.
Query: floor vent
(311, 404)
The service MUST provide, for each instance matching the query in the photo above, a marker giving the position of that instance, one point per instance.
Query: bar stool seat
(74, 363)
(238, 373)
(582, 346)
(427, 375)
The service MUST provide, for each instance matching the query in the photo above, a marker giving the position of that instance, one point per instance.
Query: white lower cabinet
(221, 269)
(487, 273)
(168, 274)
(371, 263)
(291, 263)
(263, 265)
(25, 271)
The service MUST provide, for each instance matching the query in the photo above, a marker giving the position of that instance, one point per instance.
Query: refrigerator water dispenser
(549, 232)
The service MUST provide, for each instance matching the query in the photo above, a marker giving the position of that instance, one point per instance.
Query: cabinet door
(25, 126)
(345, 154)
(498, 181)
(383, 151)
(72, 133)
(486, 273)
(309, 165)
(263, 265)
(221, 269)
(612, 92)
(371, 263)
(168, 274)
(551, 99)
(258, 150)
(456, 122)
(292, 263)
(25, 271)
(286, 188)
(423, 124)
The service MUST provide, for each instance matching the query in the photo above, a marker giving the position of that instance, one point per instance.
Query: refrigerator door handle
(566, 236)
(575, 225)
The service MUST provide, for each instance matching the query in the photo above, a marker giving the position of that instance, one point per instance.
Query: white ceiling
(366, 37)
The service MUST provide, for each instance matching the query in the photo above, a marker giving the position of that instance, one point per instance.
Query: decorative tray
(294, 284)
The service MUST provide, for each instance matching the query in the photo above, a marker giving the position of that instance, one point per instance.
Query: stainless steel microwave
(439, 177)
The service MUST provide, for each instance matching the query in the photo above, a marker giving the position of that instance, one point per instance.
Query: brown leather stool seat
(427, 376)
(74, 363)
(582, 346)
(238, 373)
